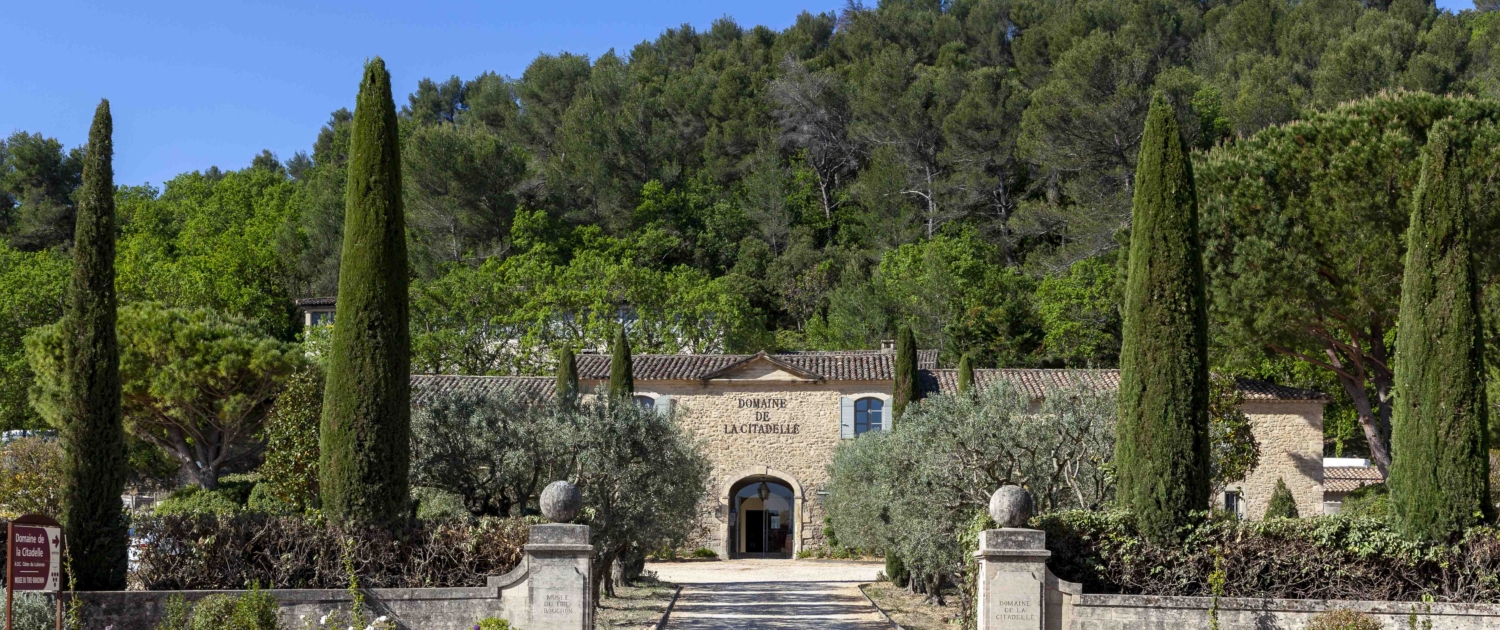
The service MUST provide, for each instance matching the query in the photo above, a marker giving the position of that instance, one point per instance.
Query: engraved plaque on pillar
(1014, 597)
(557, 594)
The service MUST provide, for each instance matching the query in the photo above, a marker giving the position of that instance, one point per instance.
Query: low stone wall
(415, 608)
(551, 589)
(1132, 612)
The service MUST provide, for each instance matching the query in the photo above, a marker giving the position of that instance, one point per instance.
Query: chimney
(887, 345)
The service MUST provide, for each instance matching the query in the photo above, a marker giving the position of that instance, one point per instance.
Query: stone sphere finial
(561, 502)
(1011, 506)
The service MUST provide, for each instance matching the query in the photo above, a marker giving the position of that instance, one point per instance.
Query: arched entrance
(765, 508)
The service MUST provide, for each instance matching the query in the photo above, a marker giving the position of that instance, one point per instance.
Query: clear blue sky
(198, 84)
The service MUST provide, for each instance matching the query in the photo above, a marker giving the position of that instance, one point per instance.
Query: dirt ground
(909, 610)
(638, 606)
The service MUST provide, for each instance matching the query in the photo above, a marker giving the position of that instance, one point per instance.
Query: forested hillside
(963, 167)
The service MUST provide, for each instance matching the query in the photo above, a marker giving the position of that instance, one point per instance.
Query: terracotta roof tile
(1350, 478)
(315, 301)
(855, 365)
(1037, 383)
(425, 387)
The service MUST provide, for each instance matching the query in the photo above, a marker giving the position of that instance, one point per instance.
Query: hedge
(233, 552)
(1330, 557)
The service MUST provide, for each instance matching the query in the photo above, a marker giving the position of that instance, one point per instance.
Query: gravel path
(771, 594)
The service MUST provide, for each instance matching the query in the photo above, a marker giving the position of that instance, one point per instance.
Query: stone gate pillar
(1012, 566)
(559, 588)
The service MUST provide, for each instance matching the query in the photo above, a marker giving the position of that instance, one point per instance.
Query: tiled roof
(854, 365)
(1349, 478)
(1037, 383)
(315, 301)
(424, 387)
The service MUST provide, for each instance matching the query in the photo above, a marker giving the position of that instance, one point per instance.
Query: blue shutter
(664, 405)
(846, 417)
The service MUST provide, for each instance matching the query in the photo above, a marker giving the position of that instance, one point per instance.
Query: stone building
(772, 421)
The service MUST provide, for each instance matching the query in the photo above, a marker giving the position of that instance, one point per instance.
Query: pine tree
(567, 377)
(1162, 447)
(965, 374)
(1439, 483)
(908, 387)
(1282, 504)
(621, 370)
(93, 431)
(366, 427)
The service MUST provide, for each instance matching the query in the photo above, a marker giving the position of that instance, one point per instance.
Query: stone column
(1012, 566)
(559, 589)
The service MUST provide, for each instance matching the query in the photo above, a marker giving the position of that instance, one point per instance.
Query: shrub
(493, 623)
(1330, 557)
(230, 497)
(1282, 504)
(207, 552)
(212, 613)
(290, 471)
(255, 610)
(33, 611)
(1371, 502)
(438, 505)
(1344, 620)
(704, 552)
(31, 474)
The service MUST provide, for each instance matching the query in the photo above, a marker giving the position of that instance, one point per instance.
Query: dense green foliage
(908, 386)
(1162, 462)
(88, 412)
(1282, 503)
(1440, 473)
(289, 472)
(567, 377)
(31, 477)
(965, 374)
(364, 439)
(197, 384)
(31, 294)
(621, 372)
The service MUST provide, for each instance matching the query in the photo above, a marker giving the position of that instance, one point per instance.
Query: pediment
(761, 367)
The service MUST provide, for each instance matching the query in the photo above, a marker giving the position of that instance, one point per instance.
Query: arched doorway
(764, 511)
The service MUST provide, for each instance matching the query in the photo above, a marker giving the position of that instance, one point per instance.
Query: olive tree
(642, 478)
(495, 451)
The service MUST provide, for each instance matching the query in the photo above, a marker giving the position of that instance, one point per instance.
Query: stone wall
(1131, 612)
(797, 451)
(1290, 434)
(550, 589)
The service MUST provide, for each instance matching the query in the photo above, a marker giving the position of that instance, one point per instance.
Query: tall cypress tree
(1162, 446)
(621, 369)
(907, 386)
(366, 430)
(93, 432)
(965, 374)
(567, 377)
(1439, 480)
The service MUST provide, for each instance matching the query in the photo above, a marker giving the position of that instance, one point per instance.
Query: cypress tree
(907, 387)
(92, 429)
(965, 374)
(1282, 504)
(366, 428)
(1439, 483)
(1162, 446)
(621, 371)
(567, 377)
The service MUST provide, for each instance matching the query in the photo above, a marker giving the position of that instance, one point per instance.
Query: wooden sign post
(33, 560)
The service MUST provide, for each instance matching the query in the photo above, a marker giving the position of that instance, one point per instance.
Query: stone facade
(1290, 434)
(791, 440)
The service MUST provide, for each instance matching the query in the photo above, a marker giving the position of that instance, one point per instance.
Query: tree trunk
(1371, 423)
(602, 563)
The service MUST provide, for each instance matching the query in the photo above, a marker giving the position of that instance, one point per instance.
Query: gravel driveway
(771, 594)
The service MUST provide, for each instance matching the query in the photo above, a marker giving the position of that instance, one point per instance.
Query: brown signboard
(35, 558)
